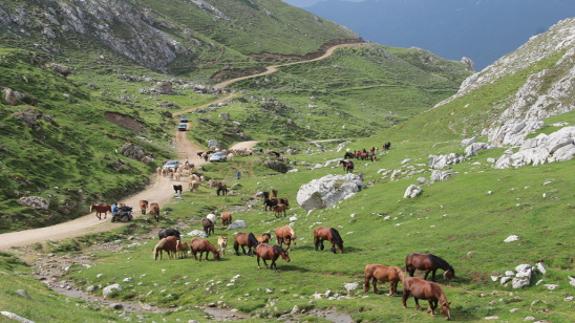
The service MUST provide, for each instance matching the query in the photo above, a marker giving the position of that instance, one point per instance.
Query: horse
(155, 211)
(194, 186)
(245, 240)
(167, 244)
(348, 155)
(203, 245)
(178, 189)
(387, 146)
(222, 244)
(182, 248)
(280, 209)
(264, 238)
(320, 234)
(428, 263)
(267, 252)
(101, 208)
(285, 234)
(226, 218)
(169, 232)
(347, 165)
(208, 226)
(143, 206)
(423, 289)
(377, 272)
(222, 189)
(212, 217)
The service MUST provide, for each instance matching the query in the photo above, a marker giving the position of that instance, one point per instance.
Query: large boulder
(476, 147)
(136, 152)
(442, 161)
(440, 175)
(35, 202)
(12, 97)
(278, 165)
(328, 191)
(237, 224)
(111, 290)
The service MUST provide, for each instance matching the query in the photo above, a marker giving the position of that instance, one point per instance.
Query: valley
(479, 170)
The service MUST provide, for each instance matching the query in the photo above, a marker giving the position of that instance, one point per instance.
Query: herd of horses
(361, 154)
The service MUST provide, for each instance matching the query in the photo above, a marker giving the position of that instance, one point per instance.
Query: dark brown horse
(155, 211)
(384, 274)
(199, 245)
(267, 252)
(208, 226)
(423, 289)
(101, 209)
(285, 234)
(143, 206)
(428, 263)
(280, 209)
(347, 165)
(245, 240)
(320, 234)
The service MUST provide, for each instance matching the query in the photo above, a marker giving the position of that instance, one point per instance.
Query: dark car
(183, 119)
(183, 127)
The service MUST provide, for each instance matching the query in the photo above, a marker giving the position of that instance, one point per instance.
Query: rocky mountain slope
(175, 37)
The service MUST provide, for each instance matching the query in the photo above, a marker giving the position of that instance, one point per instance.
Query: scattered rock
(63, 70)
(440, 175)
(551, 286)
(491, 318)
(328, 191)
(421, 180)
(474, 148)
(412, 191)
(350, 287)
(197, 233)
(237, 224)
(91, 288)
(117, 306)
(111, 290)
(511, 238)
(571, 281)
(442, 161)
(23, 293)
(15, 317)
(136, 152)
(35, 202)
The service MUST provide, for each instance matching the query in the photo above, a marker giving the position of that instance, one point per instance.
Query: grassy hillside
(354, 93)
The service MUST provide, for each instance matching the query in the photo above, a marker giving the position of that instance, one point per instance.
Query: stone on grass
(491, 318)
(412, 191)
(22, 293)
(511, 238)
(15, 317)
(571, 281)
(117, 306)
(197, 233)
(34, 202)
(328, 191)
(237, 224)
(111, 290)
(350, 287)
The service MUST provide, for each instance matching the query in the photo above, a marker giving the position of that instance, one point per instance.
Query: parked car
(183, 119)
(171, 164)
(219, 156)
(183, 127)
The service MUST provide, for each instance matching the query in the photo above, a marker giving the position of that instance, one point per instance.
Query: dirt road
(160, 190)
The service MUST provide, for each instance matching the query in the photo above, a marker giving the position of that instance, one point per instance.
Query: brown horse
(167, 244)
(208, 226)
(423, 289)
(155, 211)
(267, 252)
(203, 245)
(245, 240)
(143, 206)
(264, 238)
(182, 248)
(381, 273)
(280, 209)
(101, 209)
(226, 218)
(347, 165)
(428, 263)
(320, 234)
(285, 234)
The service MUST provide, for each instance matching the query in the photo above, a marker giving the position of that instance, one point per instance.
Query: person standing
(238, 174)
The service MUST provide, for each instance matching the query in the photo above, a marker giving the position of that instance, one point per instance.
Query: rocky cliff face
(129, 31)
(549, 92)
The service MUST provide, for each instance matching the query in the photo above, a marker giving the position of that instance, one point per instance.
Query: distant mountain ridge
(483, 30)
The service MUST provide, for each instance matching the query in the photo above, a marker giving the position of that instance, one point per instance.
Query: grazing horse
(167, 244)
(285, 234)
(280, 209)
(155, 211)
(264, 238)
(169, 232)
(423, 289)
(222, 244)
(208, 226)
(178, 189)
(320, 234)
(101, 209)
(384, 274)
(387, 146)
(267, 252)
(143, 206)
(245, 240)
(428, 263)
(347, 165)
(203, 245)
(194, 186)
(182, 248)
(348, 155)
(226, 218)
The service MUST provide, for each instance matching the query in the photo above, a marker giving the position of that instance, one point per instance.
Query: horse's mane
(336, 237)
(278, 249)
(441, 263)
(252, 239)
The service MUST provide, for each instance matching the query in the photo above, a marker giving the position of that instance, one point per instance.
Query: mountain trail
(160, 189)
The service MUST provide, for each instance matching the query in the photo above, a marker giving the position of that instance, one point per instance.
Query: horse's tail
(337, 238)
(252, 239)
(156, 251)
